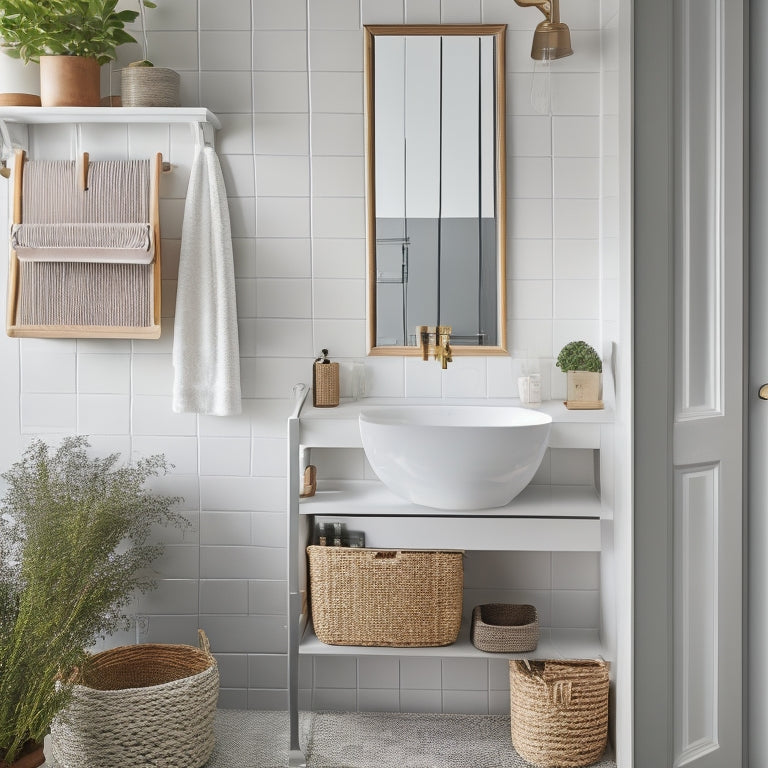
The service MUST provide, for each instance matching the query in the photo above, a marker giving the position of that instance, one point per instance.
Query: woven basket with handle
(385, 597)
(559, 711)
(141, 705)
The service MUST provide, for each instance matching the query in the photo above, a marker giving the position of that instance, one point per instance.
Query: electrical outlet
(142, 627)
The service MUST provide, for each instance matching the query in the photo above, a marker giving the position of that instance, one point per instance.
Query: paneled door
(688, 555)
(708, 403)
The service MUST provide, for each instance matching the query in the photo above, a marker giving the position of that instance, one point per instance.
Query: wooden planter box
(584, 390)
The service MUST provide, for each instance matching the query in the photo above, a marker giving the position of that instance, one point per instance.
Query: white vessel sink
(454, 456)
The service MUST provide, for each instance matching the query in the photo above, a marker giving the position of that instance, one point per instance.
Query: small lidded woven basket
(505, 628)
(559, 711)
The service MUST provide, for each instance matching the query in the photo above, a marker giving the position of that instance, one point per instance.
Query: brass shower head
(552, 38)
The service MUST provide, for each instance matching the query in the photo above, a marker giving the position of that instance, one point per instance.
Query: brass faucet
(435, 339)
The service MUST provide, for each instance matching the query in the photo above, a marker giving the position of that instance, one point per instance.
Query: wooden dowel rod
(13, 263)
(83, 172)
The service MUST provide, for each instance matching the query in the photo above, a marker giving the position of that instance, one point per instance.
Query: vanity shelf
(508, 534)
(542, 518)
(338, 427)
(371, 497)
(553, 644)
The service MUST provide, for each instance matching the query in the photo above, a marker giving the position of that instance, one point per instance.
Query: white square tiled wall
(285, 78)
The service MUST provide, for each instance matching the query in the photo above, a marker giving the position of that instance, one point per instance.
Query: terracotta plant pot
(69, 81)
(584, 390)
(31, 756)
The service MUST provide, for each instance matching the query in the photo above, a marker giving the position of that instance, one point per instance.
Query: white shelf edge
(371, 497)
(42, 115)
(350, 408)
(338, 427)
(553, 644)
(504, 534)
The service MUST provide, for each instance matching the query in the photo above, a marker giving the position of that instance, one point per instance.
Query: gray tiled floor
(253, 739)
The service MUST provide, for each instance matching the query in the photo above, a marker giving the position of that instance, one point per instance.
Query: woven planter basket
(385, 597)
(559, 711)
(505, 628)
(149, 87)
(141, 705)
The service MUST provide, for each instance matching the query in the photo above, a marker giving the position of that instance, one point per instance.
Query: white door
(709, 385)
(689, 659)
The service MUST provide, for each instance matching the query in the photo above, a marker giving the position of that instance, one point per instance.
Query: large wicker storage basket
(559, 711)
(385, 597)
(138, 706)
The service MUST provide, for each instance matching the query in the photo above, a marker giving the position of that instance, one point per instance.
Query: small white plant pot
(19, 83)
(584, 390)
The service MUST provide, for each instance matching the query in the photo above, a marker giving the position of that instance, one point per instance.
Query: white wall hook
(203, 134)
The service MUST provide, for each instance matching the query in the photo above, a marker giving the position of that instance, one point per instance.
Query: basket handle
(385, 554)
(561, 693)
(204, 642)
(396, 554)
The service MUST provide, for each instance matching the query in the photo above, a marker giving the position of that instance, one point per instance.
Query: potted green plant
(74, 546)
(70, 39)
(583, 368)
(142, 83)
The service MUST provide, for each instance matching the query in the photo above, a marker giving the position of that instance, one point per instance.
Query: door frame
(756, 563)
(653, 393)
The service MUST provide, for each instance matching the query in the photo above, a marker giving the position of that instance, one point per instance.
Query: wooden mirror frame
(498, 31)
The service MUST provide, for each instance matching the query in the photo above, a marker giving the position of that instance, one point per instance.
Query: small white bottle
(523, 389)
(534, 390)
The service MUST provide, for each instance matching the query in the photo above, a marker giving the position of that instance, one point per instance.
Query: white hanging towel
(206, 353)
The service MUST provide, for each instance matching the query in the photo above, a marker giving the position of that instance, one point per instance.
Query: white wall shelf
(62, 115)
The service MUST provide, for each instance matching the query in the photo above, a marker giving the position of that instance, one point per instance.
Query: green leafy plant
(30, 29)
(579, 356)
(74, 547)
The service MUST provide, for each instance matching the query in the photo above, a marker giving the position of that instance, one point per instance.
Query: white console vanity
(541, 518)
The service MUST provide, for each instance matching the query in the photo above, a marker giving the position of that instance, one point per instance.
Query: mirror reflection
(436, 203)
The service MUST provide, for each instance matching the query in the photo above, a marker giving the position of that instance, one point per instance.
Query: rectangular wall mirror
(436, 185)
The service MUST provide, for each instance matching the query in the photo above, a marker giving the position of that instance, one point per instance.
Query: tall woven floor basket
(141, 706)
(559, 711)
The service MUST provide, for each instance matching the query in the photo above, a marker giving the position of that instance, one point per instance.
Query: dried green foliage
(579, 356)
(94, 28)
(74, 546)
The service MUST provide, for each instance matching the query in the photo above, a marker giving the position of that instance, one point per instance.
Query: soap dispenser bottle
(325, 382)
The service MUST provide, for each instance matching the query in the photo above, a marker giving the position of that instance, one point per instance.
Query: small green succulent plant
(579, 356)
